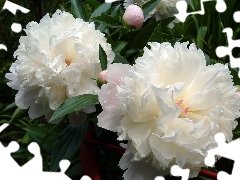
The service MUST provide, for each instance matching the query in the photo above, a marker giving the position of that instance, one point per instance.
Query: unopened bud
(133, 17)
(102, 78)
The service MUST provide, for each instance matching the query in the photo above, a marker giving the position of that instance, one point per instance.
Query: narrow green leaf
(143, 36)
(102, 58)
(156, 36)
(208, 60)
(78, 8)
(95, 4)
(74, 170)
(118, 46)
(201, 36)
(9, 107)
(40, 131)
(108, 21)
(115, 10)
(234, 73)
(165, 22)
(149, 6)
(67, 144)
(119, 59)
(74, 104)
(101, 9)
(18, 113)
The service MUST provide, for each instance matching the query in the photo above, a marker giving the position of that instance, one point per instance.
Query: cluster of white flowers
(57, 59)
(169, 105)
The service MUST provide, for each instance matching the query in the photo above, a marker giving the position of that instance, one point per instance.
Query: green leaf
(18, 113)
(208, 60)
(74, 104)
(67, 144)
(115, 10)
(118, 46)
(149, 6)
(9, 107)
(40, 131)
(157, 34)
(108, 21)
(119, 59)
(102, 58)
(201, 36)
(74, 170)
(95, 4)
(101, 9)
(78, 8)
(143, 36)
(234, 73)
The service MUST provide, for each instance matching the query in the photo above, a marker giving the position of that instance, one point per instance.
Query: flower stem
(115, 32)
(90, 156)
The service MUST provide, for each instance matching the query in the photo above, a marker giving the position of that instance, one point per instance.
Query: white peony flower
(56, 60)
(169, 105)
(164, 9)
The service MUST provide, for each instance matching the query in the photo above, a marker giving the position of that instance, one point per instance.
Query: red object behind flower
(90, 156)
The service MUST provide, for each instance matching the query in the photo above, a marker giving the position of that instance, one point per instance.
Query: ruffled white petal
(58, 59)
(169, 105)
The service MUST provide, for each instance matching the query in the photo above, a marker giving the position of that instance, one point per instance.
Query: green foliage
(67, 144)
(74, 104)
(149, 6)
(78, 9)
(108, 21)
(102, 58)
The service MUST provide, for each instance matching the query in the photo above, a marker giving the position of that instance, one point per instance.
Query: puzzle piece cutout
(159, 178)
(12, 7)
(16, 27)
(182, 9)
(177, 171)
(236, 16)
(33, 169)
(222, 51)
(228, 150)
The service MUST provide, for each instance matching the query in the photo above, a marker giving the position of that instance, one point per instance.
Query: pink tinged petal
(108, 97)
(117, 71)
(109, 120)
(103, 76)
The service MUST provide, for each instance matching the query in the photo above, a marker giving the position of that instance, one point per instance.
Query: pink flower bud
(133, 17)
(102, 78)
